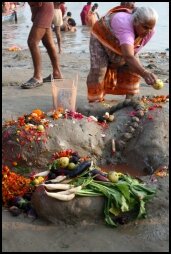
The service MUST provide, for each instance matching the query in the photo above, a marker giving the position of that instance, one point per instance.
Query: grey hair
(144, 14)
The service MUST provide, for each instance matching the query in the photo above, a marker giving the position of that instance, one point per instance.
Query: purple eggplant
(62, 171)
(51, 175)
(75, 158)
(99, 175)
(97, 171)
(77, 171)
(80, 168)
(101, 178)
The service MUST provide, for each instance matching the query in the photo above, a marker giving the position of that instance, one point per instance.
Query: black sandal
(49, 78)
(31, 83)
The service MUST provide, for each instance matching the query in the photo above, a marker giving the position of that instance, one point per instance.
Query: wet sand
(25, 234)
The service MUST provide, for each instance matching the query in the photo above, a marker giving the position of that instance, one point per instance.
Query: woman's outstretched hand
(149, 78)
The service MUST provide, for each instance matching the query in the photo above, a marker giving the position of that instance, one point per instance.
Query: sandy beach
(23, 234)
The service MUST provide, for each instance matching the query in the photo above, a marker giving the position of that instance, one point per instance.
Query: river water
(17, 33)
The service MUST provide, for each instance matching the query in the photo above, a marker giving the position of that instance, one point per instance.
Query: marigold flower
(13, 185)
(39, 113)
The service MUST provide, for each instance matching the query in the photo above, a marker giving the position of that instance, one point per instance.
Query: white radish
(67, 181)
(65, 192)
(58, 186)
(44, 173)
(59, 196)
(72, 190)
(75, 189)
(57, 179)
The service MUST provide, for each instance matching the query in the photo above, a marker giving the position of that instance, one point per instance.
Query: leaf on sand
(142, 211)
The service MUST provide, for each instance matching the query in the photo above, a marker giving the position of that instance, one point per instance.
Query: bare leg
(35, 36)
(49, 44)
(58, 37)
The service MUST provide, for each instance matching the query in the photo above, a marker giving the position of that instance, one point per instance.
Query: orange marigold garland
(13, 185)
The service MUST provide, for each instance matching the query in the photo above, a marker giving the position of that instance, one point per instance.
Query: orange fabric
(95, 92)
(91, 18)
(116, 82)
(121, 81)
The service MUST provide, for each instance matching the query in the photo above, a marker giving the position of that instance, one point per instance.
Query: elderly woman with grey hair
(114, 43)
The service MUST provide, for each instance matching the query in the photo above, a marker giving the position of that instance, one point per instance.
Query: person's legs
(35, 36)
(42, 17)
(95, 78)
(57, 31)
(49, 44)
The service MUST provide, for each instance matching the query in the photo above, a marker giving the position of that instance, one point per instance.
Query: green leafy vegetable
(128, 195)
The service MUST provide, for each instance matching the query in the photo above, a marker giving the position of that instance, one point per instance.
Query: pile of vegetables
(68, 163)
(70, 176)
(124, 199)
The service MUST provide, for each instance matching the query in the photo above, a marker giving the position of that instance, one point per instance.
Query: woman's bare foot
(57, 75)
